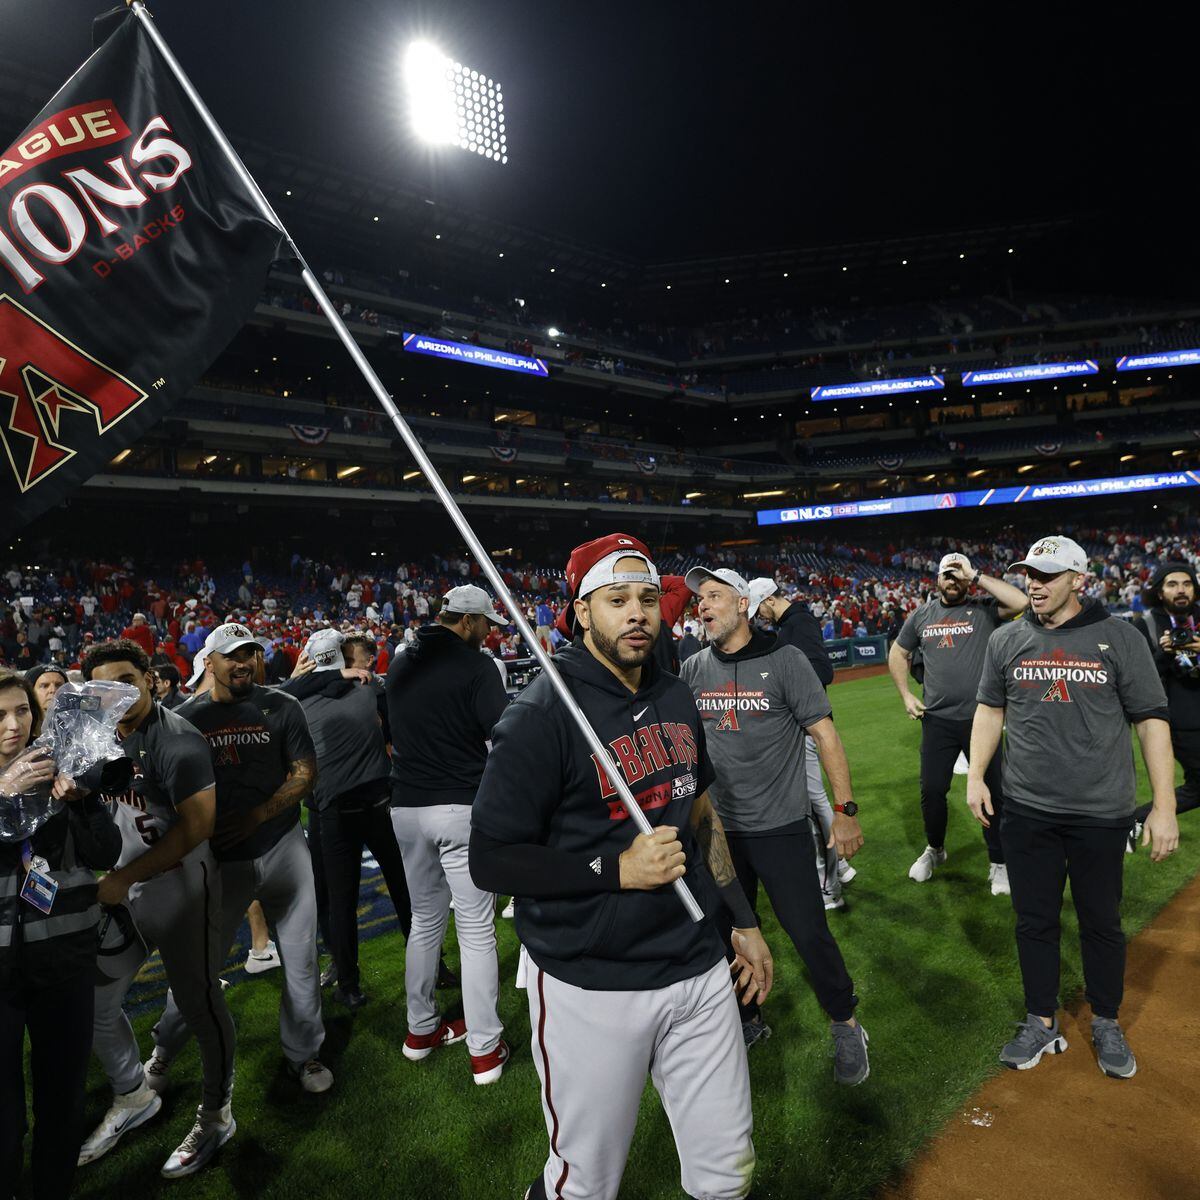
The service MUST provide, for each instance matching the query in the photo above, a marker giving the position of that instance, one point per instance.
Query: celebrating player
(265, 766)
(167, 875)
(759, 698)
(952, 631)
(1070, 680)
(622, 982)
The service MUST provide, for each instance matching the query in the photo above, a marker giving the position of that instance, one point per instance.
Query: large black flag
(130, 254)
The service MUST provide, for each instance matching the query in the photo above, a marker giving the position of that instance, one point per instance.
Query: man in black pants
(952, 631)
(757, 698)
(1172, 625)
(1070, 680)
(349, 806)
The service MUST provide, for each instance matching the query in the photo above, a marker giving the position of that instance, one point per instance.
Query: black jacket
(799, 628)
(443, 699)
(544, 794)
(40, 950)
(1180, 675)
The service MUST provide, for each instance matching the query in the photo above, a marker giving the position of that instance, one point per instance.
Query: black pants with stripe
(784, 864)
(336, 840)
(941, 743)
(59, 1021)
(1042, 855)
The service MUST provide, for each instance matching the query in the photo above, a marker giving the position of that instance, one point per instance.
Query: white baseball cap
(1055, 554)
(697, 575)
(227, 638)
(325, 649)
(471, 600)
(760, 589)
(198, 667)
(954, 560)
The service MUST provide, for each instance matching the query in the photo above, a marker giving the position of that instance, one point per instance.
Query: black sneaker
(446, 978)
(755, 1030)
(329, 975)
(851, 1064)
(353, 998)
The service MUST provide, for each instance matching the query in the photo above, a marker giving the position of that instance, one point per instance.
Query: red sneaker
(487, 1068)
(421, 1045)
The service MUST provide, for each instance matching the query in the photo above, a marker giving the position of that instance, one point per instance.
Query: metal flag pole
(415, 448)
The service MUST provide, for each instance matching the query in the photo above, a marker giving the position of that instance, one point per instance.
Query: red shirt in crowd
(142, 634)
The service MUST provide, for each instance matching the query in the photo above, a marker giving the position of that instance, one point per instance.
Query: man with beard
(265, 767)
(443, 697)
(1066, 682)
(952, 629)
(621, 982)
(1172, 625)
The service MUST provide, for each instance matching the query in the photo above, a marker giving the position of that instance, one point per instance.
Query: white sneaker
(210, 1132)
(998, 878)
(509, 911)
(845, 871)
(922, 870)
(258, 961)
(1135, 836)
(961, 766)
(832, 901)
(127, 1112)
(313, 1076)
(155, 1071)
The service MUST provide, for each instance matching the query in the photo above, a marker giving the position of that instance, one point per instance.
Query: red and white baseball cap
(593, 565)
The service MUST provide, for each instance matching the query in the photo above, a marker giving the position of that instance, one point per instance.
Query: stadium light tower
(453, 105)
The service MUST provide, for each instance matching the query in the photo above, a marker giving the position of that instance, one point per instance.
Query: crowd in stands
(49, 614)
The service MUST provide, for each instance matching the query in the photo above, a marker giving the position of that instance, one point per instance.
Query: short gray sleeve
(803, 691)
(909, 637)
(991, 682)
(1138, 682)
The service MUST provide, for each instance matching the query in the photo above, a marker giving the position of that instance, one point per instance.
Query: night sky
(669, 130)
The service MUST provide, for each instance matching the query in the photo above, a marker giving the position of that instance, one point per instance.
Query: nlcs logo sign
(43, 375)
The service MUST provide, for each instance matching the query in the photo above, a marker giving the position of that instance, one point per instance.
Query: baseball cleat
(421, 1045)
(845, 871)
(352, 998)
(755, 1030)
(210, 1132)
(127, 1112)
(833, 901)
(998, 878)
(1135, 836)
(922, 870)
(509, 911)
(487, 1068)
(1113, 1055)
(258, 961)
(1033, 1039)
(155, 1071)
(851, 1065)
(329, 975)
(313, 1076)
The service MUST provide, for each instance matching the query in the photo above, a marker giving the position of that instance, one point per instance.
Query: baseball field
(935, 968)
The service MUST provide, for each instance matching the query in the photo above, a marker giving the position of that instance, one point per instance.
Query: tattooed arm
(237, 826)
(752, 967)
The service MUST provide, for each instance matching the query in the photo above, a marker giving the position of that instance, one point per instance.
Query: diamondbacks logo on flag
(129, 255)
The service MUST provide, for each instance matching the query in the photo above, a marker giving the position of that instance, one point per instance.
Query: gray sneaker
(1032, 1041)
(755, 1030)
(1113, 1055)
(850, 1063)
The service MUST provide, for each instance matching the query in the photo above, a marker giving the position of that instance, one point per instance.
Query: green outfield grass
(934, 965)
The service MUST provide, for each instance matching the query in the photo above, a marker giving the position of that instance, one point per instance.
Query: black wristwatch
(849, 808)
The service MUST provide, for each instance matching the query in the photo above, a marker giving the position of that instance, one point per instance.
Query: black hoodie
(1180, 674)
(443, 698)
(542, 788)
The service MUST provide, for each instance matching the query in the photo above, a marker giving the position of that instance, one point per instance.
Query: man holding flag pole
(139, 242)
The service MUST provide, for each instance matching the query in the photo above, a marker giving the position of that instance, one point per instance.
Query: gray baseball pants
(433, 842)
(282, 880)
(593, 1050)
(827, 860)
(177, 913)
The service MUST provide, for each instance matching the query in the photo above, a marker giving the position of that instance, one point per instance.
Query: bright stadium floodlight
(453, 105)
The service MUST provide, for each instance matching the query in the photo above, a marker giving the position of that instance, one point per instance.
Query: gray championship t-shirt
(349, 741)
(755, 712)
(953, 640)
(1069, 695)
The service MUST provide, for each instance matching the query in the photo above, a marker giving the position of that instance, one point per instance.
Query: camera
(1181, 636)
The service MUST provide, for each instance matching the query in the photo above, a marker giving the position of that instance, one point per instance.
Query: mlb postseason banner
(480, 356)
(1062, 370)
(878, 387)
(1080, 489)
(1165, 358)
